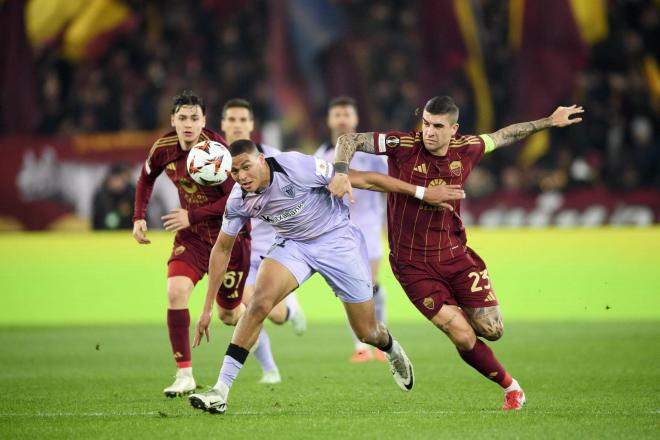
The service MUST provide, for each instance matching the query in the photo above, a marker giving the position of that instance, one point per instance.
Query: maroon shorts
(462, 281)
(190, 258)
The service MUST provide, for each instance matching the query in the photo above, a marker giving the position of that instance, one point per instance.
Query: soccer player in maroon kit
(196, 224)
(445, 279)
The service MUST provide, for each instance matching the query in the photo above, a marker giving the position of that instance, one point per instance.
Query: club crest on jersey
(429, 303)
(179, 250)
(456, 168)
(392, 141)
(289, 190)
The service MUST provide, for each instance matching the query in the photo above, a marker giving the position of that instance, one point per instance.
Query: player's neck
(440, 152)
(186, 146)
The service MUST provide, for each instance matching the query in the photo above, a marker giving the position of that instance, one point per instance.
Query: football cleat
(183, 384)
(364, 355)
(271, 377)
(298, 322)
(513, 400)
(213, 400)
(400, 366)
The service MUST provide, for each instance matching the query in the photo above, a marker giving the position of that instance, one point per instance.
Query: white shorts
(339, 256)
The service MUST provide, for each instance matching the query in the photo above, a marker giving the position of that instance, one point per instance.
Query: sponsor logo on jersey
(421, 168)
(429, 303)
(392, 141)
(179, 250)
(188, 186)
(490, 297)
(284, 215)
(456, 167)
(289, 190)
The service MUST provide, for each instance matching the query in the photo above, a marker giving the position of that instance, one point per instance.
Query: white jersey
(263, 234)
(369, 205)
(296, 203)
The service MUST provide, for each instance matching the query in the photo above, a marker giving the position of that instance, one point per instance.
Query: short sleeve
(393, 143)
(234, 218)
(306, 170)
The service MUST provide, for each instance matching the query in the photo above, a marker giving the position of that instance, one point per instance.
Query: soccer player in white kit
(368, 207)
(238, 123)
(313, 235)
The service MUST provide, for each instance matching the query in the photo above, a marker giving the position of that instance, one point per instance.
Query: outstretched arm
(218, 262)
(515, 132)
(347, 145)
(436, 195)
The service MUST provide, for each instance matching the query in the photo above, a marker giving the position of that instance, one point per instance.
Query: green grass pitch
(85, 351)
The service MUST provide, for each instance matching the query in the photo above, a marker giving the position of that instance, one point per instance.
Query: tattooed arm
(346, 146)
(513, 133)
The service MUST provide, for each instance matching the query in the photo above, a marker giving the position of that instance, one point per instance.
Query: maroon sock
(178, 324)
(482, 359)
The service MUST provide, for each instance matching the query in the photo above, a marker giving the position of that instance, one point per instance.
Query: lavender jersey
(263, 234)
(313, 232)
(368, 211)
(296, 202)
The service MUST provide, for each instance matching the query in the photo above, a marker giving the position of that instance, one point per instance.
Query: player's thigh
(475, 294)
(453, 322)
(230, 294)
(344, 265)
(274, 282)
(427, 291)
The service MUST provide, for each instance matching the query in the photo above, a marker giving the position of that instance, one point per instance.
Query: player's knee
(463, 340)
(228, 317)
(177, 296)
(494, 333)
(260, 307)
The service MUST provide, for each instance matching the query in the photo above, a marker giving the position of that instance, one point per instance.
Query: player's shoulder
(207, 134)
(167, 142)
(465, 141)
(268, 151)
(236, 196)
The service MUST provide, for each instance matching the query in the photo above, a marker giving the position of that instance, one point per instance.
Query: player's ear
(172, 121)
(454, 128)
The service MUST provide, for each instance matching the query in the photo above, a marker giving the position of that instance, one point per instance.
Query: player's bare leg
(362, 318)
(262, 351)
(274, 283)
(454, 323)
(486, 321)
(362, 352)
(179, 289)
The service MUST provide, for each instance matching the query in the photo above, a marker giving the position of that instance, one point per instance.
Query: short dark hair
(242, 146)
(187, 97)
(237, 102)
(442, 105)
(342, 101)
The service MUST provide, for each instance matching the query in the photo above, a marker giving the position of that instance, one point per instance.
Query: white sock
(513, 387)
(187, 371)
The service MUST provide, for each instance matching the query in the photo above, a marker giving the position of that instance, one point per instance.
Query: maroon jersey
(418, 231)
(205, 204)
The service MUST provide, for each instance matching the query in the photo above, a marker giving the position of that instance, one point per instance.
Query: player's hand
(340, 185)
(202, 328)
(140, 231)
(562, 116)
(438, 195)
(176, 220)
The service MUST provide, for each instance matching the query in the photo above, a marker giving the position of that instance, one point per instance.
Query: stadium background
(87, 85)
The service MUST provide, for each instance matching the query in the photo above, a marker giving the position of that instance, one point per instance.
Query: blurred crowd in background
(224, 49)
